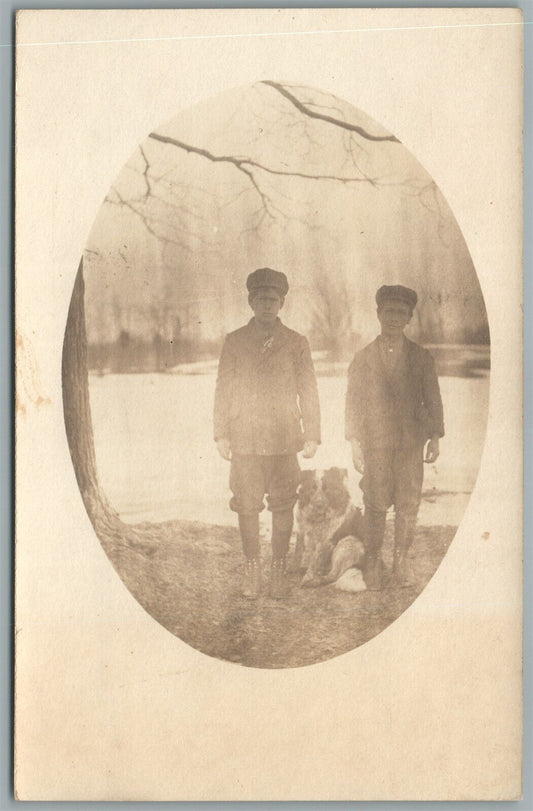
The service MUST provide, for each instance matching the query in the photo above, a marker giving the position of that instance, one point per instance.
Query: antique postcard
(269, 404)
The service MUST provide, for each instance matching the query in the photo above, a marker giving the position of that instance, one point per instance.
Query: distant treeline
(443, 334)
(133, 355)
(130, 354)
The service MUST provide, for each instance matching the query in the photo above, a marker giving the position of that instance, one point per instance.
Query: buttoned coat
(266, 398)
(384, 410)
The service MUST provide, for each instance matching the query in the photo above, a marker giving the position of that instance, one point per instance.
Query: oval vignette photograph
(275, 376)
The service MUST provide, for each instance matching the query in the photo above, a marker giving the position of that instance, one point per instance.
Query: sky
(281, 176)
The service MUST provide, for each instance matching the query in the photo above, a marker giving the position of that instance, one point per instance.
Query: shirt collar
(262, 333)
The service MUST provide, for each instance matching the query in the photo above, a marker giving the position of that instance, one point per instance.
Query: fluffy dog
(329, 530)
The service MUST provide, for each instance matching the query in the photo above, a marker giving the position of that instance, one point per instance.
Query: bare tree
(332, 316)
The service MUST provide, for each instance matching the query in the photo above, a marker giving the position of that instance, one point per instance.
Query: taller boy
(393, 407)
(266, 411)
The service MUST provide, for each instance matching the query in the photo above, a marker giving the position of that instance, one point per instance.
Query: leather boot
(251, 581)
(281, 533)
(278, 578)
(374, 532)
(404, 526)
(249, 530)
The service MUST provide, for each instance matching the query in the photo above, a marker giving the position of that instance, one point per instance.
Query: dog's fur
(352, 580)
(329, 531)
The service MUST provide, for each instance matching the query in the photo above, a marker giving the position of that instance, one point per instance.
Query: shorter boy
(393, 408)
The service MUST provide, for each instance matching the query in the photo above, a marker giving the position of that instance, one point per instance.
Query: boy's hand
(224, 449)
(357, 456)
(432, 450)
(310, 448)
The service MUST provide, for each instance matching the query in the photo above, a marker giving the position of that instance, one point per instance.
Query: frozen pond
(157, 460)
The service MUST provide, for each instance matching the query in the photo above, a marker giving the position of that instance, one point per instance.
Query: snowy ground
(157, 460)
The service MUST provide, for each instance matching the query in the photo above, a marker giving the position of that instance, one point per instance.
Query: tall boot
(249, 530)
(251, 581)
(281, 533)
(374, 533)
(281, 536)
(404, 528)
(279, 585)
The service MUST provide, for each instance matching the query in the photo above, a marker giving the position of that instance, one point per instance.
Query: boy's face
(394, 317)
(266, 304)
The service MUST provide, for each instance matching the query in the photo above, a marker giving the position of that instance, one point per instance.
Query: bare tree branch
(247, 165)
(145, 221)
(145, 173)
(337, 122)
(303, 116)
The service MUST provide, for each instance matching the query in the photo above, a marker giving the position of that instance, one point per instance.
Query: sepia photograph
(268, 405)
(274, 319)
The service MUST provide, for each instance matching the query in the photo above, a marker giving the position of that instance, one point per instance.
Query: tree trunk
(78, 423)
(76, 405)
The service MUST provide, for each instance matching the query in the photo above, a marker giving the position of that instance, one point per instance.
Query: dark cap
(266, 277)
(396, 292)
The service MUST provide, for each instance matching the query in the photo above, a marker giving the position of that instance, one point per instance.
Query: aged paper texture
(161, 156)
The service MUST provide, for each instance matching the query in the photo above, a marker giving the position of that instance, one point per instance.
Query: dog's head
(324, 492)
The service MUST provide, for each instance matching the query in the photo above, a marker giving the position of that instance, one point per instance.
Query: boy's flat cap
(396, 292)
(266, 277)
